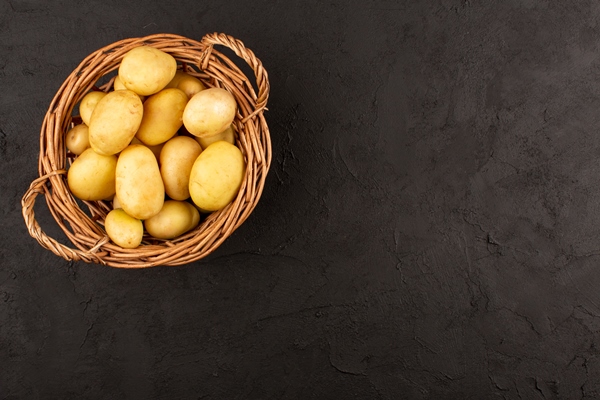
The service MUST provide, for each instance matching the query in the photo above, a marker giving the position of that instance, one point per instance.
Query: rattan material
(85, 231)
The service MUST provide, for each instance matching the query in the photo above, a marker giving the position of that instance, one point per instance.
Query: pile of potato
(130, 149)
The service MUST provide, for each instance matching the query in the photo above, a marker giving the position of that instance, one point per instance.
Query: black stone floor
(429, 229)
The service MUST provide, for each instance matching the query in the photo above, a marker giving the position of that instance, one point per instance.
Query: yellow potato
(77, 139)
(87, 105)
(209, 112)
(115, 121)
(123, 229)
(227, 135)
(118, 85)
(92, 176)
(115, 202)
(176, 160)
(139, 185)
(176, 78)
(216, 176)
(155, 149)
(190, 85)
(147, 70)
(162, 116)
(174, 219)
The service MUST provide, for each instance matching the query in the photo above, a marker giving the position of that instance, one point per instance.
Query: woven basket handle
(27, 204)
(262, 78)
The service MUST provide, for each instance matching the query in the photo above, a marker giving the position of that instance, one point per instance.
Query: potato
(115, 202)
(146, 70)
(77, 139)
(227, 135)
(176, 160)
(118, 85)
(155, 149)
(123, 229)
(92, 176)
(176, 78)
(115, 121)
(216, 176)
(190, 85)
(209, 112)
(174, 219)
(162, 116)
(87, 105)
(139, 185)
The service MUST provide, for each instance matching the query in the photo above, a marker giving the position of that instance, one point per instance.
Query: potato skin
(176, 159)
(78, 139)
(115, 202)
(216, 176)
(115, 121)
(190, 85)
(209, 112)
(87, 105)
(227, 135)
(162, 117)
(173, 220)
(176, 78)
(147, 70)
(139, 186)
(155, 149)
(92, 176)
(118, 85)
(186, 82)
(123, 229)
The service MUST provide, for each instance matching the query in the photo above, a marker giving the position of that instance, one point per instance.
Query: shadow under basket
(85, 229)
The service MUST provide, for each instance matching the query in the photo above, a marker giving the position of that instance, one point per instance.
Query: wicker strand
(35, 230)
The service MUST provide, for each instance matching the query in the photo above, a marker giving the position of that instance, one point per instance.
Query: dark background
(429, 227)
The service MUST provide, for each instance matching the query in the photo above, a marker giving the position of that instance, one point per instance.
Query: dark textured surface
(429, 227)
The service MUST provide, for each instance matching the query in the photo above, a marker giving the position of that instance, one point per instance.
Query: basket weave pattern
(85, 230)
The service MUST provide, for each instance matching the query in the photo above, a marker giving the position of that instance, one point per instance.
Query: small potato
(190, 85)
(77, 139)
(87, 105)
(123, 229)
(115, 202)
(209, 112)
(216, 176)
(176, 78)
(174, 219)
(139, 186)
(92, 176)
(147, 70)
(162, 116)
(115, 121)
(176, 160)
(227, 135)
(117, 84)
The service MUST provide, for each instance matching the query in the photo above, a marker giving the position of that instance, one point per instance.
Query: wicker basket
(85, 230)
